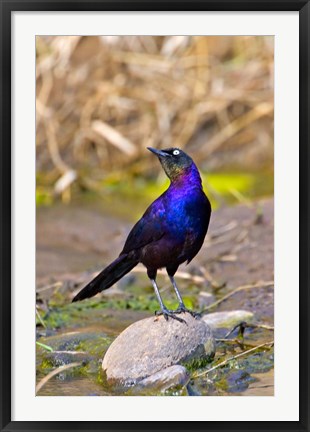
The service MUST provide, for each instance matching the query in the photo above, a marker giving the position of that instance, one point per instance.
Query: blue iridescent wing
(150, 228)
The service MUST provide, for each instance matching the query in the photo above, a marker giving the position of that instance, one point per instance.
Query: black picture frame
(7, 7)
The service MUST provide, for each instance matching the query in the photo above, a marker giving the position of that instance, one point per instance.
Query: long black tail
(111, 274)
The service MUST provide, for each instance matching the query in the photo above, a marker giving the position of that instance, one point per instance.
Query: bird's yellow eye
(176, 152)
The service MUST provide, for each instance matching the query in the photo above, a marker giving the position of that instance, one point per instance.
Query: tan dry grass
(102, 100)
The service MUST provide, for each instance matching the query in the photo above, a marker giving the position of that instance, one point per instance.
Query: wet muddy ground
(75, 241)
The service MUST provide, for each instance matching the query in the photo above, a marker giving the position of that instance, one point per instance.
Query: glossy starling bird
(170, 232)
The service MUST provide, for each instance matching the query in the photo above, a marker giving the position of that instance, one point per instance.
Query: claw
(170, 314)
(183, 309)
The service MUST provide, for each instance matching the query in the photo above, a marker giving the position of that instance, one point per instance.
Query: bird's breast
(187, 215)
(183, 218)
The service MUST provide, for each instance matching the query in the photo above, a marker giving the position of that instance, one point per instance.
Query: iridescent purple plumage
(170, 232)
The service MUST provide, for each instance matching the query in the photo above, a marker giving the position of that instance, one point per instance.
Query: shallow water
(76, 238)
(88, 345)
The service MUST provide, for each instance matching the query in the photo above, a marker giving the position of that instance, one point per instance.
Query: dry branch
(102, 100)
(114, 137)
(55, 372)
(225, 362)
(234, 291)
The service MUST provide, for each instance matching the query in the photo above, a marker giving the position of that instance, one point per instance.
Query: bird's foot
(182, 309)
(169, 314)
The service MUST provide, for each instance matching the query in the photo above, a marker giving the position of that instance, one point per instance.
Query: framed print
(154, 225)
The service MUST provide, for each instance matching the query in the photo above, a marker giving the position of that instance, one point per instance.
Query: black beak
(158, 152)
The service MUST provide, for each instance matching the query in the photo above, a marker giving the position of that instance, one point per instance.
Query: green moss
(222, 384)
(94, 346)
(198, 363)
(44, 197)
(71, 314)
(100, 377)
(46, 364)
(195, 364)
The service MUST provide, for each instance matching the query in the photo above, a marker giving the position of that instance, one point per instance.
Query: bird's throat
(186, 177)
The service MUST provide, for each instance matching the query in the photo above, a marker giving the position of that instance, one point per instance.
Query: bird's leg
(164, 311)
(182, 307)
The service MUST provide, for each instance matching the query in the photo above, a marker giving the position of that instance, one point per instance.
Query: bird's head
(174, 161)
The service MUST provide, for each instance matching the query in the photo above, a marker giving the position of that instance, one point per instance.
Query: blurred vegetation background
(101, 100)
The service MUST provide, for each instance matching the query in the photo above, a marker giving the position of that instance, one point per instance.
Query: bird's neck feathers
(186, 177)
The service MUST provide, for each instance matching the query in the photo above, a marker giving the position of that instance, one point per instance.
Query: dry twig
(55, 372)
(224, 362)
(241, 288)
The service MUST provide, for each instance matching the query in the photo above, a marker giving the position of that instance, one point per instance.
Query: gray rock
(227, 319)
(153, 344)
(170, 377)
